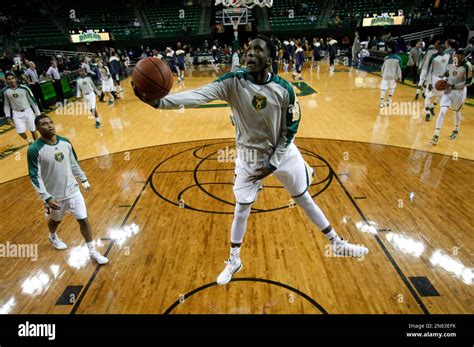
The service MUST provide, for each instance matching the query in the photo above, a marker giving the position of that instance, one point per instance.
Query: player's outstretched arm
(192, 98)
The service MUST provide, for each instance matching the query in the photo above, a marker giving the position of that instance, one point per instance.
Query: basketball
(152, 77)
(441, 85)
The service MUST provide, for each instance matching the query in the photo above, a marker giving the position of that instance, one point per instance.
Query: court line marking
(279, 284)
(385, 250)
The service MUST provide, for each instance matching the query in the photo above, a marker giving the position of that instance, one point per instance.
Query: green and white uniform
(22, 104)
(266, 116)
(52, 170)
(461, 78)
(87, 89)
(437, 69)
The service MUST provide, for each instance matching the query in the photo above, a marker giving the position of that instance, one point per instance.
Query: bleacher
(38, 30)
(166, 21)
(448, 12)
(305, 15)
(117, 20)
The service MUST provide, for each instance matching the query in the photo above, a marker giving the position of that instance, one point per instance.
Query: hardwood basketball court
(161, 208)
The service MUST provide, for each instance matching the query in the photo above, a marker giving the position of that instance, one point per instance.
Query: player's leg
(77, 207)
(421, 83)
(392, 85)
(54, 218)
(20, 125)
(296, 176)
(458, 97)
(383, 90)
(439, 122)
(428, 106)
(92, 105)
(245, 194)
(30, 123)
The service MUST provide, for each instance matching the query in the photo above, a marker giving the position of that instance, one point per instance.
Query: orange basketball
(152, 77)
(441, 85)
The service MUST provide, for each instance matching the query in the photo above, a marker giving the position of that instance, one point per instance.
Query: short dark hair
(460, 52)
(39, 118)
(9, 74)
(270, 45)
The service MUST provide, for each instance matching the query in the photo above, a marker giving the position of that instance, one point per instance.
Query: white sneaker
(232, 267)
(96, 256)
(57, 243)
(342, 248)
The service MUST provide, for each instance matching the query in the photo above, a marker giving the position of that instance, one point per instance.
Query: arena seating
(166, 21)
(38, 30)
(117, 20)
(307, 14)
(449, 12)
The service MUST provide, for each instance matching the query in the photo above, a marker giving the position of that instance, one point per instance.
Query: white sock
(382, 94)
(234, 253)
(457, 120)
(440, 119)
(315, 214)
(332, 236)
(91, 246)
(239, 224)
(53, 236)
(97, 119)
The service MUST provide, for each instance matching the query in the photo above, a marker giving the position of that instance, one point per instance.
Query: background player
(87, 90)
(299, 61)
(437, 68)
(332, 51)
(459, 78)
(317, 53)
(424, 63)
(52, 166)
(19, 101)
(391, 71)
(266, 128)
(180, 54)
(107, 81)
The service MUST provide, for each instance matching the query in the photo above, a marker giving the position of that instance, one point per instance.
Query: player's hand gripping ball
(441, 85)
(152, 79)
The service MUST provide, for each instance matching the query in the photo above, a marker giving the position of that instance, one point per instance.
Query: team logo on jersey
(84, 83)
(295, 111)
(59, 156)
(455, 73)
(259, 102)
(15, 95)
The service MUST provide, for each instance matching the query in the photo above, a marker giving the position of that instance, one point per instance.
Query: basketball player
(87, 90)
(332, 50)
(459, 78)
(391, 71)
(180, 54)
(432, 50)
(19, 101)
(52, 166)
(317, 52)
(267, 116)
(107, 81)
(299, 61)
(171, 60)
(437, 69)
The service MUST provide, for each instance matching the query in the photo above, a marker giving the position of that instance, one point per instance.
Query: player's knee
(83, 221)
